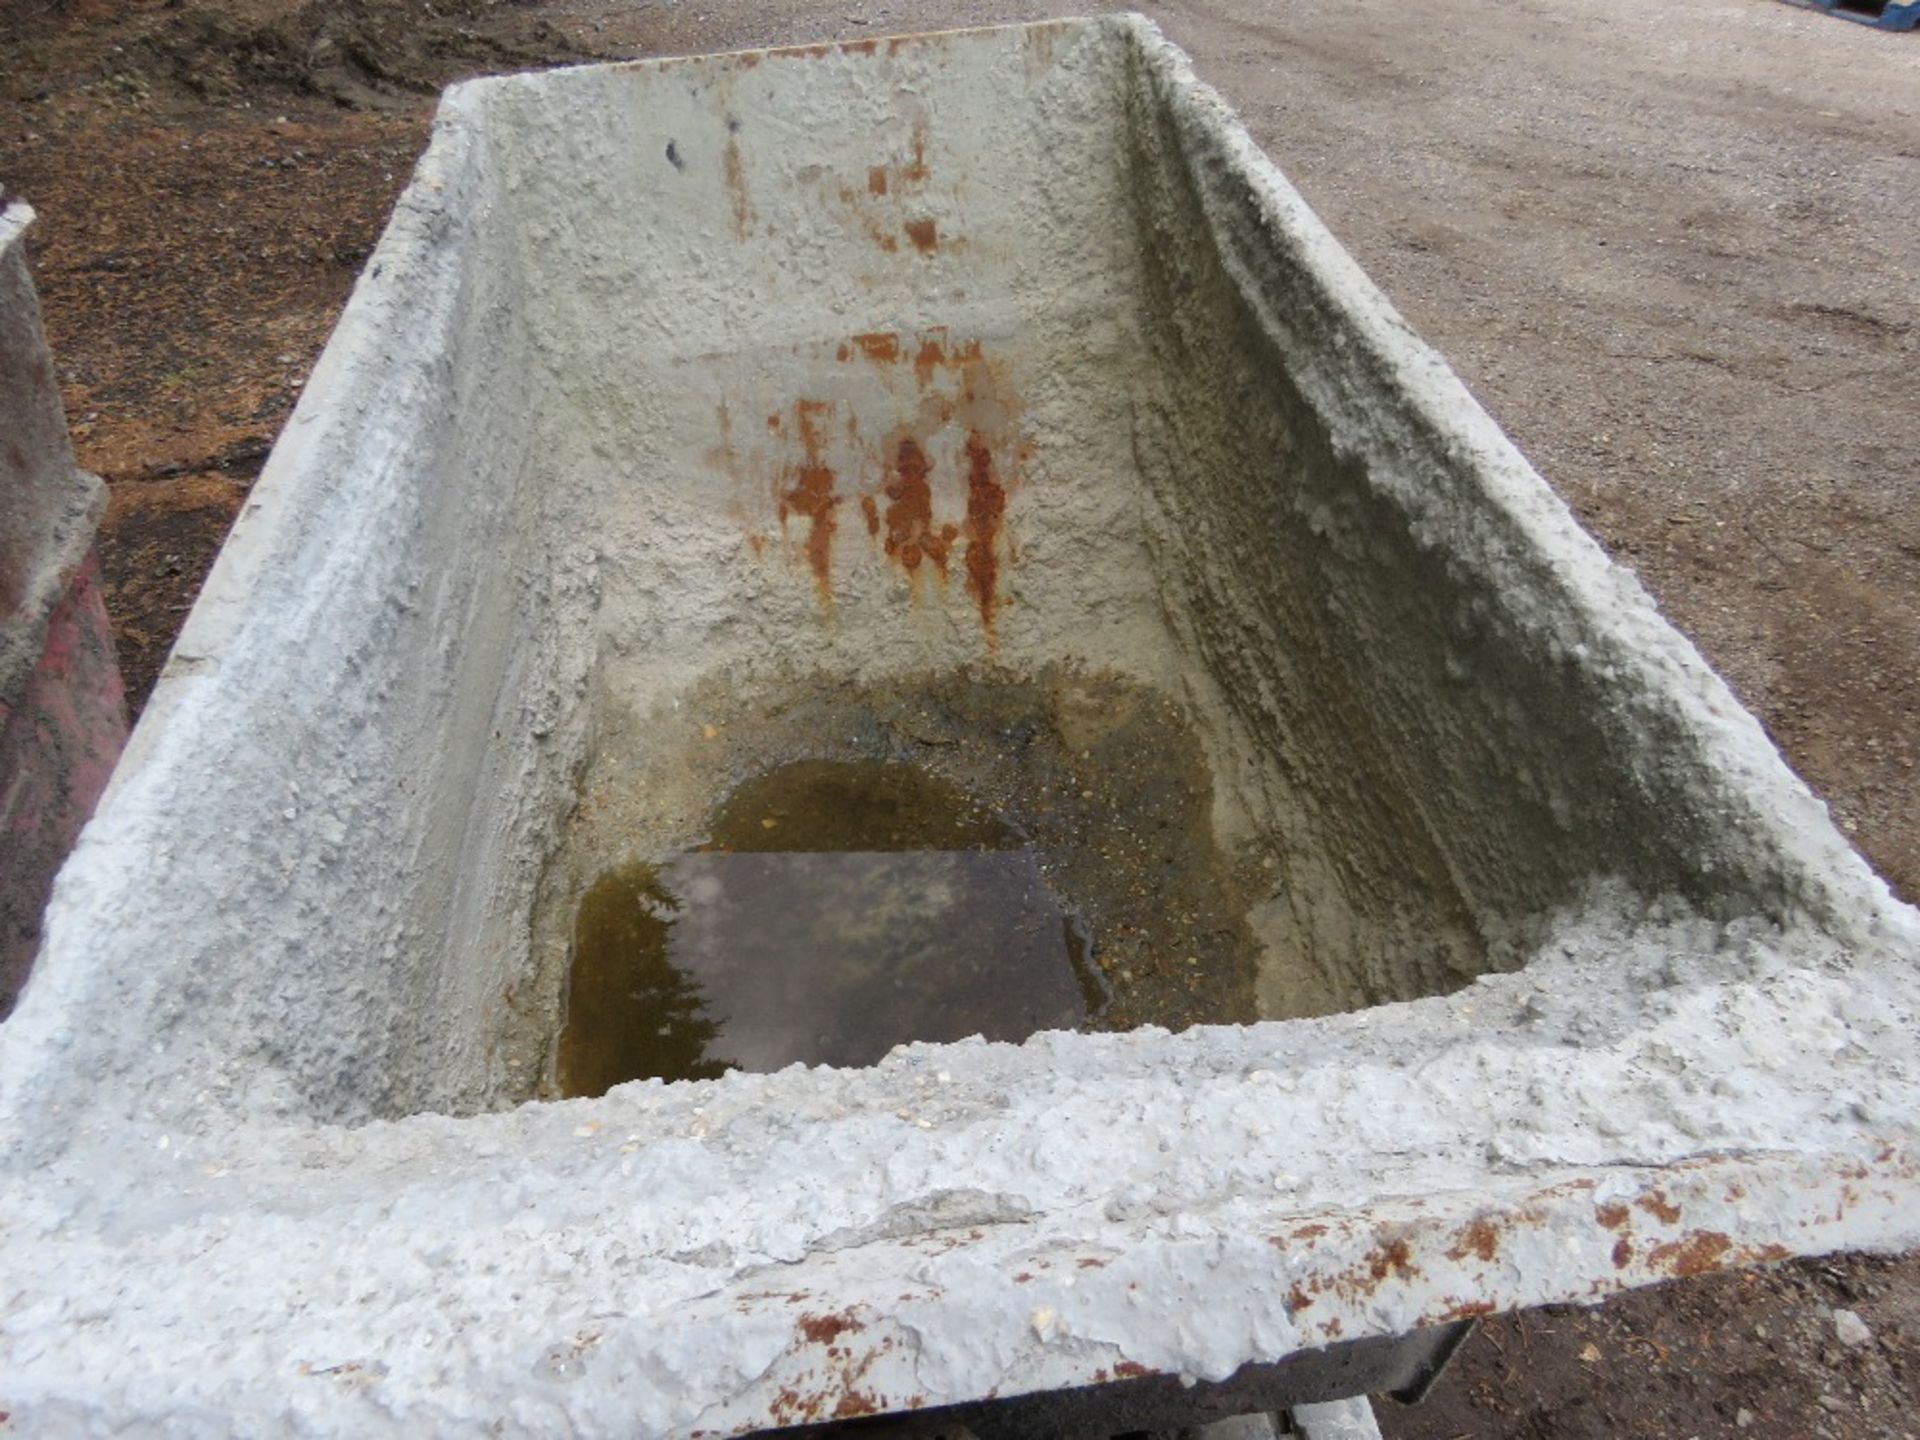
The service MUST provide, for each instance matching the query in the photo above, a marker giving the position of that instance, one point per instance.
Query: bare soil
(1672, 247)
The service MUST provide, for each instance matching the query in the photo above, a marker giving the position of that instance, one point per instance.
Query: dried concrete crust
(49, 509)
(518, 506)
(62, 720)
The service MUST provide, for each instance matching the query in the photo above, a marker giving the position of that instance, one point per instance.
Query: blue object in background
(1886, 15)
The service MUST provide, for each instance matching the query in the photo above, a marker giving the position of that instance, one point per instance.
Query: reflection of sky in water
(836, 957)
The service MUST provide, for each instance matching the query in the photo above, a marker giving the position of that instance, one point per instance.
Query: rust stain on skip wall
(807, 490)
(986, 507)
(912, 535)
(924, 235)
(737, 184)
(947, 437)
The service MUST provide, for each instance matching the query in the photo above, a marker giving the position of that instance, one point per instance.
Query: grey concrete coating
(49, 508)
(251, 1180)
(62, 715)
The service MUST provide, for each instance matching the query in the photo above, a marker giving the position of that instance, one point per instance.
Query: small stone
(1742, 1418)
(561, 1362)
(1851, 1329)
(1590, 1353)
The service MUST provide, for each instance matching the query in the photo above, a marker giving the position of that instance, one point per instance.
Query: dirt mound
(365, 54)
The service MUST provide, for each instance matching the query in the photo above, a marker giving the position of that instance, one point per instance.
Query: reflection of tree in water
(631, 1013)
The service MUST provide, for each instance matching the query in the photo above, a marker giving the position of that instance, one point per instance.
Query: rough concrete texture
(625, 318)
(1340, 1420)
(62, 716)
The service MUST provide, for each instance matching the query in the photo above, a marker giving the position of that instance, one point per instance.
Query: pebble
(1851, 1329)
